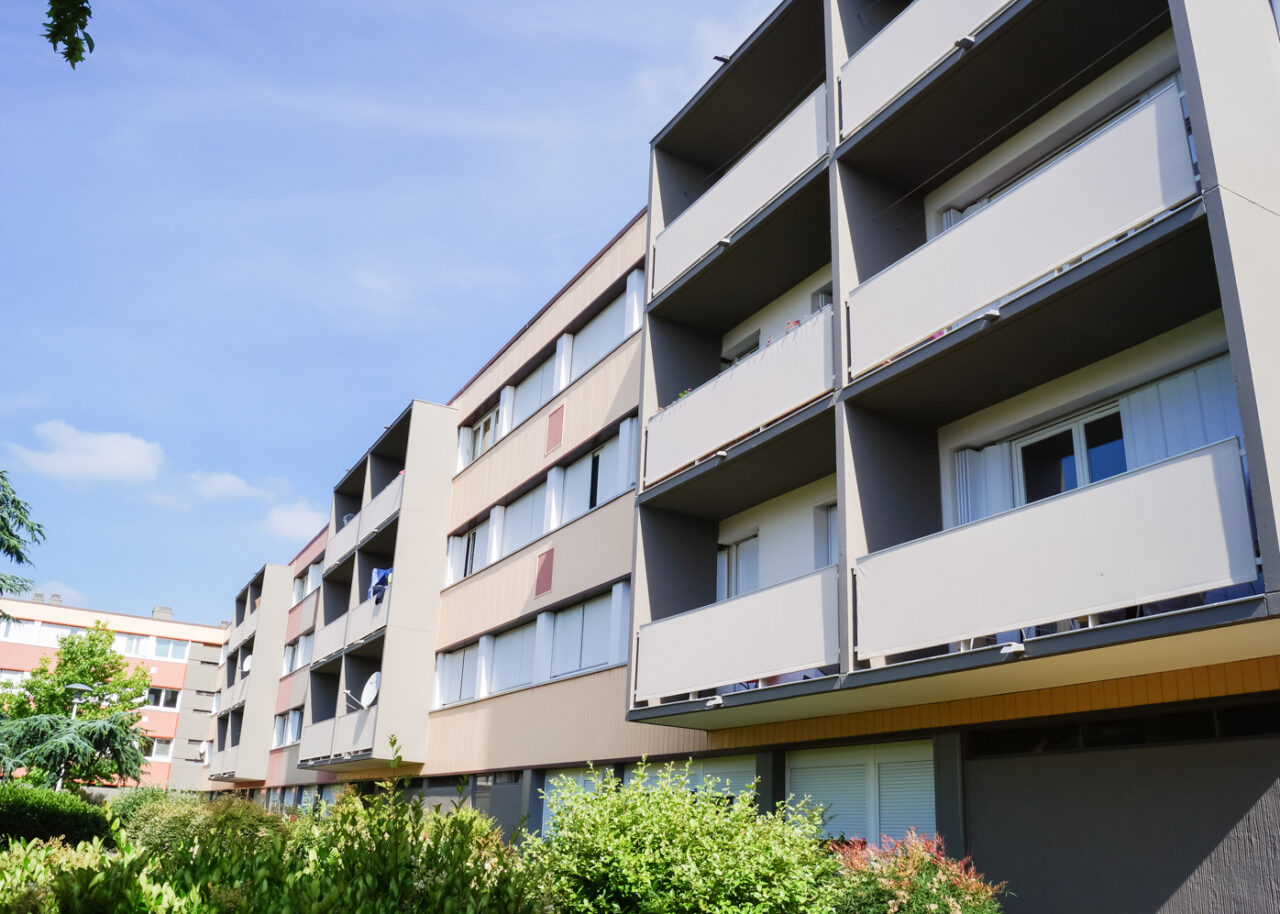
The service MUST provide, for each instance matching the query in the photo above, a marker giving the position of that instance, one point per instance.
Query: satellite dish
(246, 663)
(369, 694)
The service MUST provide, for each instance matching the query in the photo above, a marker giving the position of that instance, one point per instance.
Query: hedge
(38, 812)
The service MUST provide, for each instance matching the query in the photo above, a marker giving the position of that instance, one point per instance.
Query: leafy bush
(912, 876)
(128, 803)
(37, 812)
(28, 870)
(172, 826)
(656, 845)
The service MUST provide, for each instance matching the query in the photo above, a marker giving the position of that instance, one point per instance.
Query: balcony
(224, 763)
(342, 542)
(786, 628)
(367, 618)
(906, 49)
(1135, 169)
(1118, 543)
(353, 732)
(783, 376)
(317, 740)
(236, 693)
(331, 639)
(771, 166)
(384, 505)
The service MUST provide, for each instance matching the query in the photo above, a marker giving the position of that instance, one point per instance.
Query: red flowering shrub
(911, 876)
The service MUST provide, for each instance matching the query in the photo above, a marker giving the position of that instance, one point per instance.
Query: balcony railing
(342, 542)
(1136, 168)
(771, 166)
(330, 639)
(237, 692)
(353, 731)
(384, 504)
(224, 762)
(368, 618)
(1177, 527)
(317, 740)
(905, 50)
(783, 376)
(782, 629)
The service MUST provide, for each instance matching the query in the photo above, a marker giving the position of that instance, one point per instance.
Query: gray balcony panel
(1117, 543)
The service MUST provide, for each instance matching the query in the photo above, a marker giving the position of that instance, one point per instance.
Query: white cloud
(297, 521)
(224, 485)
(73, 454)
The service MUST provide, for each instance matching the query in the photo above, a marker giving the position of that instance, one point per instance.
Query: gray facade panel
(1182, 829)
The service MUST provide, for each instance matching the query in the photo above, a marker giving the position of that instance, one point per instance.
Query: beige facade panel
(1127, 538)
(786, 374)
(886, 66)
(607, 393)
(1134, 169)
(782, 629)
(608, 269)
(569, 722)
(594, 549)
(785, 154)
(292, 691)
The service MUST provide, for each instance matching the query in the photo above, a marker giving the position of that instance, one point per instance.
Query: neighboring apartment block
(955, 505)
(180, 656)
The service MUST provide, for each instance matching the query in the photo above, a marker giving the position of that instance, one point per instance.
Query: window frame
(1074, 423)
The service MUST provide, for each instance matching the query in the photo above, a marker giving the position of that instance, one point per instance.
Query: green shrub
(657, 845)
(126, 805)
(28, 870)
(171, 826)
(38, 812)
(911, 876)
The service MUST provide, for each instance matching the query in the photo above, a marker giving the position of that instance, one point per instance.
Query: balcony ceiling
(795, 452)
(1029, 59)
(774, 69)
(1159, 279)
(789, 240)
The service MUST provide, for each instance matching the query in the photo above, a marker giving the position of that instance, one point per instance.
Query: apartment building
(954, 506)
(180, 656)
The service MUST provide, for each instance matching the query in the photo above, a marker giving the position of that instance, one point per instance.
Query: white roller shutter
(840, 787)
(868, 791)
(906, 797)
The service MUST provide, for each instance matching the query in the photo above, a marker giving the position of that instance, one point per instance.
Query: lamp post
(76, 701)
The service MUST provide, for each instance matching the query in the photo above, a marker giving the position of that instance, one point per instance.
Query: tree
(51, 747)
(18, 532)
(66, 26)
(103, 741)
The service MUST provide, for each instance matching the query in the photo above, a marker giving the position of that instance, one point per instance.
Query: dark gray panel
(1184, 829)
(680, 561)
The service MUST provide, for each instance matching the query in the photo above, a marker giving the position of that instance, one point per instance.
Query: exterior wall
(1202, 842)
(189, 725)
(786, 526)
(771, 320)
(560, 724)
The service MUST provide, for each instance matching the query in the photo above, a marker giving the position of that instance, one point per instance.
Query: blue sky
(239, 237)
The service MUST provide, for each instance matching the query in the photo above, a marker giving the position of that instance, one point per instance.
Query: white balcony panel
(1176, 527)
(341, 543)
(224, 762)
(317, 740)
(384, 504)
(353, 732)
(784, 375)
(1138, 167)
(905, 50)
(236, 694)
(786, 628)
(762, 174)
(367, 618)
(330, 639)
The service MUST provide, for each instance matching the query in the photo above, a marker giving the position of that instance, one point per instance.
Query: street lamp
(76, 701)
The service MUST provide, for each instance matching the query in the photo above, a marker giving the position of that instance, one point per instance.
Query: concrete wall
(787, 531)
(770, 322)
(1171, 829)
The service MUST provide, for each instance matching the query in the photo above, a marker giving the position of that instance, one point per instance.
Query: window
(457, 675)
(598, 338)
(744, 348)
(821, 299)
(533, 391)
(12, 677)
(827, 543)
(483, 433)
(1066, 456)
(471, 551)
(512, 664)
(130, 645)
(297, 654)
(20, 631)
(868, 790)
(738, 568)
(524, 519)
(580, 636)
(278, 731)
(162, 698)
(171, 650)
(290, 659)
(287, 728)
(161, 750)
(303, 656)
(48, 635)
(590, 481)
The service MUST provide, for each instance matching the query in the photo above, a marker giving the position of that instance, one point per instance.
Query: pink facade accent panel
(161, 724)
(555, 429)
(546, 566)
